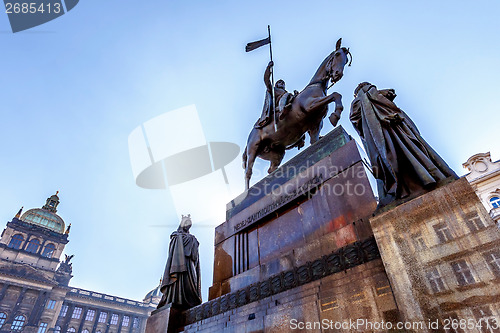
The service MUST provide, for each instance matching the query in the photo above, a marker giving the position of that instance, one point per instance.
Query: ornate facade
(484, 176)
(34, 291)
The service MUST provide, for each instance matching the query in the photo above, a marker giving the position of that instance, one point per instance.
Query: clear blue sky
(74, 88)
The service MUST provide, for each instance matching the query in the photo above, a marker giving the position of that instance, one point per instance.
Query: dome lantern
(52, 202)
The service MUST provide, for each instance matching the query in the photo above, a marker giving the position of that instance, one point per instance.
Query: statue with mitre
(181, 283)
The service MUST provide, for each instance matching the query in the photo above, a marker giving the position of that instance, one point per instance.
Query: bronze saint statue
(181, 283)
(402, 161)
(298, 114)
(269, 109)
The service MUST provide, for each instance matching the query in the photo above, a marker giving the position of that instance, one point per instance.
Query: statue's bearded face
(280, 84)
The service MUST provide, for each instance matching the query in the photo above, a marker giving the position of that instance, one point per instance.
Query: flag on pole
(255, 45)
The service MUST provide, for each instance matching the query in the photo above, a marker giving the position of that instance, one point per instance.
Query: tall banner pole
(273, 106)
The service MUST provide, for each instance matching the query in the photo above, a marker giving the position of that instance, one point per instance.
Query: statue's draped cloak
(401, 159)
(267, 114)
(181, 284)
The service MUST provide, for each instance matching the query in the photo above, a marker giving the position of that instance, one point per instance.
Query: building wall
(441, 253)
(65, 309)
(84, 310)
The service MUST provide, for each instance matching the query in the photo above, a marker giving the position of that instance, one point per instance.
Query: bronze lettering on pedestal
(305, 188)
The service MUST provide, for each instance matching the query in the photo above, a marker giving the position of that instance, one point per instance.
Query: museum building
(34, 291)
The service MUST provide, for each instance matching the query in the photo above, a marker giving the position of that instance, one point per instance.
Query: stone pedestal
(165, 320)
(441, 254)
(313, 205)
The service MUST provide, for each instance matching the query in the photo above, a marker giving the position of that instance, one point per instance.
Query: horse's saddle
(284, 107)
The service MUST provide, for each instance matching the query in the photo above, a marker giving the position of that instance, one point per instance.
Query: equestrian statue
(286, 120)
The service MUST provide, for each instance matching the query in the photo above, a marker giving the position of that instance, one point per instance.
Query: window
(57, 329)
(102, 317)
(42, 328)
(85, 331)
(33, 245)
(418, 242)
(495, 202)
(18, 323)
(3, 316)
(71, 330)
(48, 251)
(493, 260)
(443, 232)
(90, 315)
(474, 222)
(125, 321)
(16, 241)
(51, 304)
(114, 319)
(462, 272)
(77, 313)
(136, 323)
(64, 310)
(435, 280)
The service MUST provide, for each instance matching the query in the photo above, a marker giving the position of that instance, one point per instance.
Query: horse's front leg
(321, 102)
(335, 116)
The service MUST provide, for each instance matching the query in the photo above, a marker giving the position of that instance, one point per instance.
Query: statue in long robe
(181, 283)
(403, 163)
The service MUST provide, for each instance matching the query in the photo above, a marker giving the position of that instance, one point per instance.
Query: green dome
(44, 218)
(154, 293)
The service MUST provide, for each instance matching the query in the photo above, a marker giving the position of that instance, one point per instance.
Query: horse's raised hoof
(334, 119)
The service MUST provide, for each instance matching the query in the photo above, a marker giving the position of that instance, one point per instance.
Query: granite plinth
(165, 320)
(361, 292)
(438, 251)
(295, 216)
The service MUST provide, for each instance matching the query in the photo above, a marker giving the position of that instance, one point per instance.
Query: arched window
(48, 250)
(16, 241)
(495, 202)
(3, 316)
(71, 330)
(57, 329)
(33, 245)
(42, 328)
(85, 331)
(18, 323)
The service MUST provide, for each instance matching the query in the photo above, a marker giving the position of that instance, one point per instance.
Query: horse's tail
(244, 157)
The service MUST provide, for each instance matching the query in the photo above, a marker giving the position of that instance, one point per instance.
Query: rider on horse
(279, 90)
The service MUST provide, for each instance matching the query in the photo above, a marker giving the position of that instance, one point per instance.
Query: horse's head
(336, 62)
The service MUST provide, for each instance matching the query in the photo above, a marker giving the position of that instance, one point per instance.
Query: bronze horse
(304, 114)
